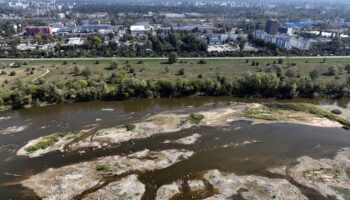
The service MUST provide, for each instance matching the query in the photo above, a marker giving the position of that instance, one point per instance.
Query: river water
(279, 143)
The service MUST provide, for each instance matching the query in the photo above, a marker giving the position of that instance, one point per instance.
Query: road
(181, 58)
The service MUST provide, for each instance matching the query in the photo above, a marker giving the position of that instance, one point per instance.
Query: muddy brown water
(279, 143)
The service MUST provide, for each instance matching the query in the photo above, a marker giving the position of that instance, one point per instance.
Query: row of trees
(272, 83)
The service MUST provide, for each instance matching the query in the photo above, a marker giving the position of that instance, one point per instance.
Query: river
(279, 143)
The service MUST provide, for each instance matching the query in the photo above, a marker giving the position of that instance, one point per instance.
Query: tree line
(272, 82)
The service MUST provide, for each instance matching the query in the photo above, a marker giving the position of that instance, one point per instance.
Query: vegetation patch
(52, 139)
(263, 112)
(128, 127)
(103, 167)
(336, 111)
(309, 108)
(195, 118)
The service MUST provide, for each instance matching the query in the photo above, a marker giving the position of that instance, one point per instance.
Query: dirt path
(42, 75)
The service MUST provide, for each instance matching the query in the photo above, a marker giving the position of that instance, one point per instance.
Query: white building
(75, 42)
(137, 30)
(284, 41)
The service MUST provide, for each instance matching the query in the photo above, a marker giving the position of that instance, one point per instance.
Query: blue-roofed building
(95, 26)
(297, 24)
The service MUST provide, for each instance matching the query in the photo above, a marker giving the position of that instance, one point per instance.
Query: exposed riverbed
(164, 155)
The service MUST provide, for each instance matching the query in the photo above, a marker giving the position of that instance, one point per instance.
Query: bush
(140, 62)
(172, 58)
(332, 71)
(13, 73)
(76, 71)
(65, 62)
(131, 70)
(113, 66)
(97, 62)
(103, 167)
(128, 127)
(86, 72)
(181, 72)
(45, 142)
(336, 111)
(202, 62)
(195, 118)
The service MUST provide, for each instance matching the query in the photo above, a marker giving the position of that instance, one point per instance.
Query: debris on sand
(13, 129)
(126, 188)
(69, 181)
(167, 191)
(324, 175)
(185, 140)
(251, 187)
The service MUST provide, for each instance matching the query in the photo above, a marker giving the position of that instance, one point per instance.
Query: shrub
(181, 72)
(97, 62)
(336, 111)
(131, 70)
(76, 71)
(65, 62)
(195, 118)
(128, 127)
(103, 167)
(86, 72)
(113, 66)
(13, 73)
(172, 58)
(202, 62)
(140, 62)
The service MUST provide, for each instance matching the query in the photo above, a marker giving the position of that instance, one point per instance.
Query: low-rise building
(284, 41)
(33, 30)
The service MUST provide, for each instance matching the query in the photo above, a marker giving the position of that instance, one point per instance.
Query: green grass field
(232, 69)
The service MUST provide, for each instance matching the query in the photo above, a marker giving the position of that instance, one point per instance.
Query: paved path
(181, 58)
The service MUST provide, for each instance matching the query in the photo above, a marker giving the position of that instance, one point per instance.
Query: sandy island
(168, 122)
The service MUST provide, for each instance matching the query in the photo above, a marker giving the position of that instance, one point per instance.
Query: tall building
(272, 27)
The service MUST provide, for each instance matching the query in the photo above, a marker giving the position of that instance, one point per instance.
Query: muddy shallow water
(279, 144)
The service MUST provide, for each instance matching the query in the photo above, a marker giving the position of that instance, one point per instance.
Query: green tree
(332, 71)
(241, 43)
(314, 74)
(172, 58)
(86, 72)
(76, 71)
(181, 72)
